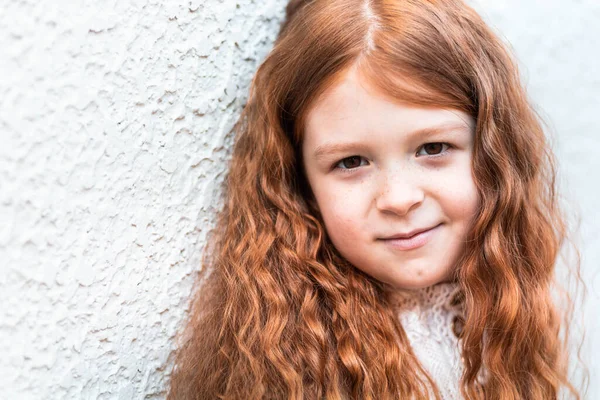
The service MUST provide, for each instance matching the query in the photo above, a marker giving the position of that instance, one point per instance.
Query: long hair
(279, 313)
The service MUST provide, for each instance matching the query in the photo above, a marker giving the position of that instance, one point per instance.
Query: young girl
(390, 224)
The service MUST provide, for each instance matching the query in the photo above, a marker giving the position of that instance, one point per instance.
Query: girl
(390, 225)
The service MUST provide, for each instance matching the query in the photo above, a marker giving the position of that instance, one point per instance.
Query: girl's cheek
(460, 188)
(457, 176)
(341, 205)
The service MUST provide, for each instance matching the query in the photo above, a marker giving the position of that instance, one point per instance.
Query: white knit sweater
(432, 318)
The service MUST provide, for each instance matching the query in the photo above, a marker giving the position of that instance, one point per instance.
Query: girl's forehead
(352, 86)
(354, 100)
(348, 85)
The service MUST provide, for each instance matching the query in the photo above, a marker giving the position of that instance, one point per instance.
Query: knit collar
(436, 311)
(445, 295)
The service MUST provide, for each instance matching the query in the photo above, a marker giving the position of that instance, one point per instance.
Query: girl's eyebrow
(326, 149)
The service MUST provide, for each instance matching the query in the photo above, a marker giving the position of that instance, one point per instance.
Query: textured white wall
(113, 123)
(113, 141)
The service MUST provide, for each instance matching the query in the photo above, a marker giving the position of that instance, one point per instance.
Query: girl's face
(382, 171)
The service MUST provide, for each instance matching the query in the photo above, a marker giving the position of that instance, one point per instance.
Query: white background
(114, 121)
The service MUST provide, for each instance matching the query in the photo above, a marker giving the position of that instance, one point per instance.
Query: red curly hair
(279, 314)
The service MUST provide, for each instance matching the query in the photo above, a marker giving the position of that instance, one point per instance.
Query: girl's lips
(413, 242)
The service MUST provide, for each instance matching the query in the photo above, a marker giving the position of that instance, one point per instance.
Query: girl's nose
(399, 195)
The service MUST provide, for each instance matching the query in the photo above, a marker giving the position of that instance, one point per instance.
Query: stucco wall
(114, 121)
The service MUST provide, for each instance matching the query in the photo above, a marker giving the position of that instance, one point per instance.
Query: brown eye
(350, 162)
(433, 149)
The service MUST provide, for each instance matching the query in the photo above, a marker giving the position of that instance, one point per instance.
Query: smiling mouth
(411, 242)
(409, 234)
